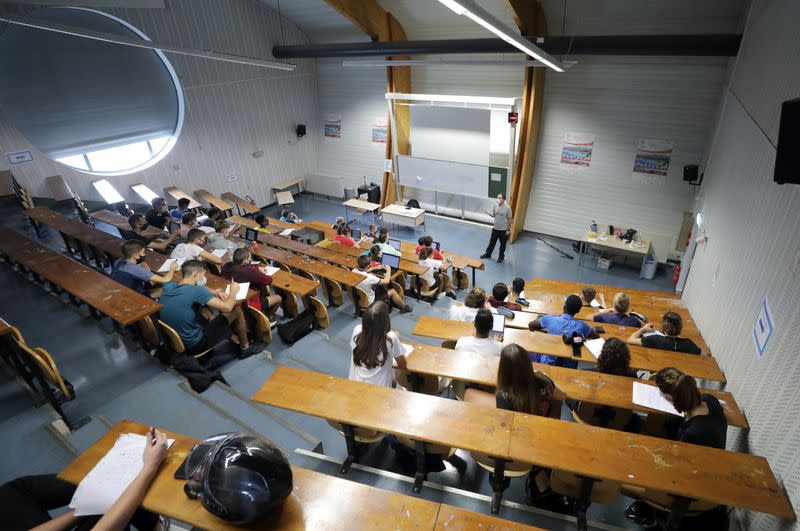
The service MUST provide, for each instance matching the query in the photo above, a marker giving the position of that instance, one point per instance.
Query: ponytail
(680, 387)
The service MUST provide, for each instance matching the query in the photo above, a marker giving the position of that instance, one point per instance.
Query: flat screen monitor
(251, 235)
(498, 325)
(390, 260)
(394, 244)
(355, 234)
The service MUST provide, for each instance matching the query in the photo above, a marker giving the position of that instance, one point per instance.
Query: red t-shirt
(436, 254)
(248, 273)
(344, 240)
(513, 306)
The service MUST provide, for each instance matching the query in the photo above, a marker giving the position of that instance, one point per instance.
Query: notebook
(168, 263)
(650, 396)
(241, 294)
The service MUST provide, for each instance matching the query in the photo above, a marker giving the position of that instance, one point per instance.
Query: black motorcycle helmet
(238, 477)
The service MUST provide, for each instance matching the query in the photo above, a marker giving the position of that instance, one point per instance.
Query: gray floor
(114, 380)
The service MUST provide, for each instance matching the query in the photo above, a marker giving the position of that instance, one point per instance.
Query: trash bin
(649, 269)
(350, 193)
(604, 262)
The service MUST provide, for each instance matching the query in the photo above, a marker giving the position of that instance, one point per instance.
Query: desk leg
(473, 278)
(422, 471)
(584, 501)
(346, 220)
(679, 509)
(499, 483)
(352, 448)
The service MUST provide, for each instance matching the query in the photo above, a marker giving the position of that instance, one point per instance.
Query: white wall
(232, 110)
(620, 100)
(753, 246)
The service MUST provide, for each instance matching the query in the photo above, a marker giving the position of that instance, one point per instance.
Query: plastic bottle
(593, 226)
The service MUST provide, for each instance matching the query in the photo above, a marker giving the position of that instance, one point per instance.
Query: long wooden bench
(704, 367)
(547, 284)
(679, 469)
(214, 201)
(176, 193)
(589, 386)
(410, 266)
(242, 205)
(121, 223)
(318, 501)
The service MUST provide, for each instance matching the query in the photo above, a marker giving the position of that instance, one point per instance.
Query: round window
(98, 107)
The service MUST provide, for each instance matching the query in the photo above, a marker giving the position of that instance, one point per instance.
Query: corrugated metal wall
(620, 100)
(232, 110)
(753, 250)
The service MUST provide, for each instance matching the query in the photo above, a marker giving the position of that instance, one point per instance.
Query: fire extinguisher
(677, 274)
(252, 201)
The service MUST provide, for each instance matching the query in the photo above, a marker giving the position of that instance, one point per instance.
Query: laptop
(394, 244)
(355, 234)
(391, 260)
(251, 235)
(498, 326)
(436, 246)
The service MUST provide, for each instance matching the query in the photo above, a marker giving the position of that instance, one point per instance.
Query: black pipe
(665, 45)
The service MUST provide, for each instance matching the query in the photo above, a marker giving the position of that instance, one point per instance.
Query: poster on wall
(333, 125)
(576, 152)
(651, 164)
(379, 130)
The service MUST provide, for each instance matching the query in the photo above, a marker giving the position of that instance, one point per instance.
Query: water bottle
(593, 226)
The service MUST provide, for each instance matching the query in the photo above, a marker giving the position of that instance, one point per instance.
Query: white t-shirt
(432, 265)
(382, 374)
(484, 345)
(460, 312)
(187, 251)
(366, 284)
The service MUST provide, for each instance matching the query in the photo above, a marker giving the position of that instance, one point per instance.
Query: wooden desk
(403, 216)
(121, 222)
(177, 193)
(5, 328)
(704, 367)
(641, 250)
(455, 519)
(288, 184)
(595, 387)
(358, 204)
(250, 223)
(548, 285)
(412, 267)
(459, 262)
(99, 292)
(213, 200)
(242, 204)
(315, 267)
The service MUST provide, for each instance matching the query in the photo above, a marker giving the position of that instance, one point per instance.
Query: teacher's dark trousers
(503, 237)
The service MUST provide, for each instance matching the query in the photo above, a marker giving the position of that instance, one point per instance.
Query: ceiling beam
(524, 12)
(366, 15)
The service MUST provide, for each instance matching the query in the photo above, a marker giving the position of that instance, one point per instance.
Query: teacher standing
(501, 213)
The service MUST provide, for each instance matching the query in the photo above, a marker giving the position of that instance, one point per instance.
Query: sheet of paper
(111, 476)
(496, 177)
(649, 396)
(594, 303)
(207, 230)
(407, 349)
(595, 346)
(241, 293)
(653, 333)
(168, 262)
(271, 270)
(285, 232)
(219, 253)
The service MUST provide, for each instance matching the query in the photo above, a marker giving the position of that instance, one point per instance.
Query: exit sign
(513, 117)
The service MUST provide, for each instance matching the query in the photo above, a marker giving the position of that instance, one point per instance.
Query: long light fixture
(369, 63)
(108, 192)
(144, 192)
(485, 19)
(508, 102)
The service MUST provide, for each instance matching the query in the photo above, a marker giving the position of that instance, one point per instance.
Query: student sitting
(186, 305)
(338, 224)
(25, 502)
(703, 423)
(372, 232)
(667, 338)
(615, 359)
(214, 215)
(242, 269)
(517, 289)
(138, 226)
(520, 388)
(287, 216)
(499, 296)
(156, 216)
(427, 242)
(193, 248)
(383, 242)
(132, 272)
(563, 325)
(183, 207)
(373, 346)
(343, 236)
(480, 341)
(618, 315)
(436, 280)
(219, 238)
(188, 222)
(375, 255)
(475, 300)
(589, 294)
(384, 231)
(375, 286)
(263, 223)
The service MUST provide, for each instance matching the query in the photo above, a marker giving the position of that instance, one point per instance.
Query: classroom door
(498, 180)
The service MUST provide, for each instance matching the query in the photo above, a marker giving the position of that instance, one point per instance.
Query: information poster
(651, 164)
(379, 131)
(576, 153)
(333, 125)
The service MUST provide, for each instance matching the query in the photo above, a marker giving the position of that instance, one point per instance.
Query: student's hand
(173, 266)
(155, 449)
(234, 289)
(508, 233)
(602, 300)
(499, 338)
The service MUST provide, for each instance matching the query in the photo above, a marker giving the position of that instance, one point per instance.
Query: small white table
(358, 204)
(612, 244)
(403, 216)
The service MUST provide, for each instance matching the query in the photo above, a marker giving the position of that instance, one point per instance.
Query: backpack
(412, 203)
(295, 329)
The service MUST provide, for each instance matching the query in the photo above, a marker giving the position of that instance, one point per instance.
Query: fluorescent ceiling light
(108, 192)
(485, 19)
(449, 98)
(144, 192)
(369, 63)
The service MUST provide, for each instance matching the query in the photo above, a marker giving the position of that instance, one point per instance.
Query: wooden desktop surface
(244, 204)
(459, 261)
(408, 266)
(551, 344)
(110, 298)
(121, 222)
(213, 200)
(315, 267)
(363, 205)
(288, 184)
(566, 286)
(589, 386)
(642, 247)
(177, 193)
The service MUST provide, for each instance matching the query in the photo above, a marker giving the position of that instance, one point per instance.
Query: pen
(153, 433)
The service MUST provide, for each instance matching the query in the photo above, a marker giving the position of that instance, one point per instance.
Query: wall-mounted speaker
(690, 173)
(301, 130)
(788, 144)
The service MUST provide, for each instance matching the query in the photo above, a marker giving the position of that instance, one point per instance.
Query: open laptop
(251, 235)
(391, 260)
(498, 325)
(436, 246)
(355, 234)
(394, 244)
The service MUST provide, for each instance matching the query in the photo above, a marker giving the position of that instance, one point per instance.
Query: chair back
(664, 502)
(261, 325)
(362, 435)
(449, 343)
(460, 279)
(569, 485)
(427, 385)
(333, 290)
(174, 340)
(603, 416)
(44, 362)
(320, 312)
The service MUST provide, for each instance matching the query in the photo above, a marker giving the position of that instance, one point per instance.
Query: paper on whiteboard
(241, 294)
(106, 482)
(650, 396)
(595, 346)
(168, 263)
(219, 253)
(496, 177)
(271, 270)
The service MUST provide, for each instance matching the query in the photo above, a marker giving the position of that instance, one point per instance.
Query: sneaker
(406, 309)
(500, 260)
(484, 255)
(642, 514)
(254, 348)
(452, 295)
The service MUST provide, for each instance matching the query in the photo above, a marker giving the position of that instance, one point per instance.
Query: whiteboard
(444, 176)
(451, 133)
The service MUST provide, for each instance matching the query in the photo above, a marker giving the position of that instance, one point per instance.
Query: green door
(497, 185)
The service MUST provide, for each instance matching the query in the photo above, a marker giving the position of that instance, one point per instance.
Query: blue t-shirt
(620, 319)
(288, 220)
(176, 213)
(181, 302)
(130, 275)
(563, 324)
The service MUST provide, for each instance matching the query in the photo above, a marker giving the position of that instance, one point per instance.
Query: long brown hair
(516, 381)
(681, 388)
(372, 340)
